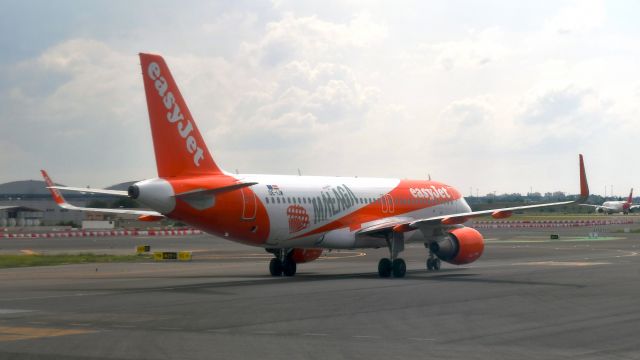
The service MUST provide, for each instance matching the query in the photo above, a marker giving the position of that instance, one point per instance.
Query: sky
(482, 95)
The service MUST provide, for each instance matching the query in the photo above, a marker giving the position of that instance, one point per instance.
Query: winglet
(584, 186)
(57, 196)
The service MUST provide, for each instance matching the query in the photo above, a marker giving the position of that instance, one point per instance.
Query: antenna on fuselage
(429, 177)
(299, 172)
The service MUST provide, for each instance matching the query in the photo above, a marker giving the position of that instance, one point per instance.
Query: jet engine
(154, 193)
(300, 256)
(460, 246)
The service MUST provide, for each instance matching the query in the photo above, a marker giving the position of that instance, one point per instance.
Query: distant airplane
(294, 217)
(616, 207)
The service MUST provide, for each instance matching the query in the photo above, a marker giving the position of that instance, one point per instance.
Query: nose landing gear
(433, 263)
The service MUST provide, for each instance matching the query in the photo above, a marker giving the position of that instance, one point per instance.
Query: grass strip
(11, 261)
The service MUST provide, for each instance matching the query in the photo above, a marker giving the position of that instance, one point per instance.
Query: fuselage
(300, 211)
(611, 207)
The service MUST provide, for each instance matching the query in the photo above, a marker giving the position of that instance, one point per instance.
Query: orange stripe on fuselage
(408, 196)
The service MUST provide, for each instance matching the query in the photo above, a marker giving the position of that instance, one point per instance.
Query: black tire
(399, 268)
(289, 268)
(436, 264)
(275, 267)
(384, 268)
(429, 264)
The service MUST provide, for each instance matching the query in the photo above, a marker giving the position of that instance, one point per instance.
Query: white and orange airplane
(617, 206)
(294, 217)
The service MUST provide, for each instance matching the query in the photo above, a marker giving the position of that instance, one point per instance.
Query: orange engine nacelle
(300, 256)
(462, 246)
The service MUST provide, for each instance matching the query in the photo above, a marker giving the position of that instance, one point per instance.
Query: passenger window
(266, 200)
(278, 200)
(299, 202)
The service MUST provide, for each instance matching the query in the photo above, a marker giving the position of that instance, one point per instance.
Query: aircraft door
(387, 204)
(249, 204)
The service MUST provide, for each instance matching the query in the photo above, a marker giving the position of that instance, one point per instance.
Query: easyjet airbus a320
(294, 217)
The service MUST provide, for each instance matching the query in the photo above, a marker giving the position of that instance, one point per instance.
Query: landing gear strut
(282, 264)
(433, 263)
(394, 266)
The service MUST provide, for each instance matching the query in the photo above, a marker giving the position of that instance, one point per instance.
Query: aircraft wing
(59, 199)
(459, 218)
(634, 207)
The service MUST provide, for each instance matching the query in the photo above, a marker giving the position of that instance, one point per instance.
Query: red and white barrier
(547, 223)
(103, 233)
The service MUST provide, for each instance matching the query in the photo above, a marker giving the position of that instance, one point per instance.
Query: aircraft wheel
(436, 264)
(275, 267)
(399, 268)
(430, 264)
(289, 268)
(384, 267)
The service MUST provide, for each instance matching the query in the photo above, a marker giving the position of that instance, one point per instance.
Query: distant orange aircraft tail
(178, 145)
(57, 196)
(630, 199)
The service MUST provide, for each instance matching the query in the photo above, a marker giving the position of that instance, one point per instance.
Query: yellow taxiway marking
(562, 263)
(10, 333)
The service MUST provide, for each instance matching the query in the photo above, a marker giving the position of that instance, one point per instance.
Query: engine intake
(461, 246)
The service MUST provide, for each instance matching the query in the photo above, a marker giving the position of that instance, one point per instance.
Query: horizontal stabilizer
(60, 200)
(91, 191)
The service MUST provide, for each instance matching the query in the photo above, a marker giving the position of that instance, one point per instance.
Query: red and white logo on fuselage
(298, 218)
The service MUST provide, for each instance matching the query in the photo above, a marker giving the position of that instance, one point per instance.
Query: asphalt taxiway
(528, 297)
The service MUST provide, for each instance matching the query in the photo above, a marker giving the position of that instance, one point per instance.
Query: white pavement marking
(13, 311)
(55, 296)
(366, 337)
(314, 334)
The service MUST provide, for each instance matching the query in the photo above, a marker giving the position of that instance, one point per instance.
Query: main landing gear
(394, 266)
(282, 264)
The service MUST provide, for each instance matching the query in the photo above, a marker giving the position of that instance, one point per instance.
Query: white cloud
(579, 16)
(347, 89)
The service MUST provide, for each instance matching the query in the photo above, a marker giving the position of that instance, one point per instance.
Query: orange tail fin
(178, 145)
(630, 199)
